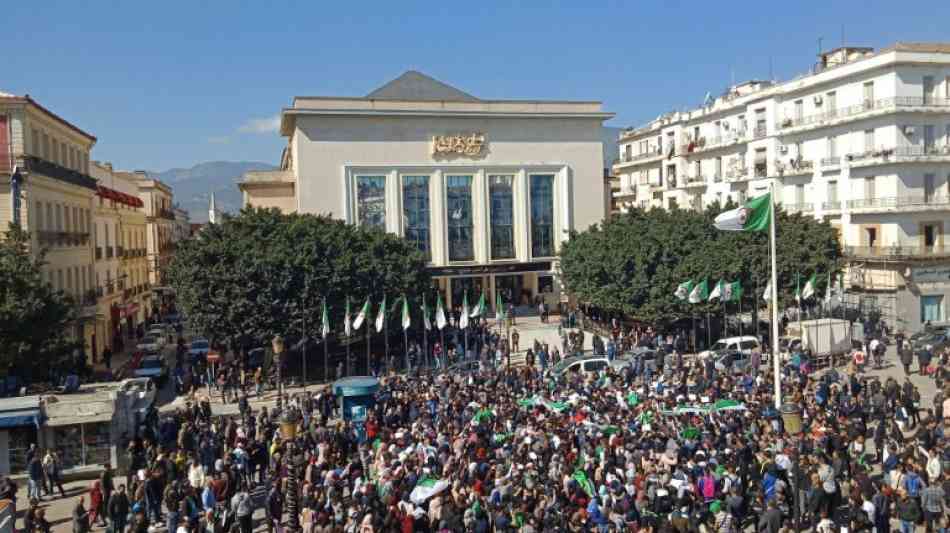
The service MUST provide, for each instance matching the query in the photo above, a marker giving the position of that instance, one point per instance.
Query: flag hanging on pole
(829, 292)
(809, 289)
(479, 307)
(361, 316)
(463, 320)
(767, 295)
(700, 292)
(425, 314)
(381, 316)
(347, 326)
(683, 289)
(499, 307)
(326, 320)
(439, 312)
(732, 292)
(405, 313)
(798, 289)
(717, 291)
(753, 216)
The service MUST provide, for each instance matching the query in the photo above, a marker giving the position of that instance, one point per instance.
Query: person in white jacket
(196, 476)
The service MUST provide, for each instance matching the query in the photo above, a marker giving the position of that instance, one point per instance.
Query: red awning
(121, 197)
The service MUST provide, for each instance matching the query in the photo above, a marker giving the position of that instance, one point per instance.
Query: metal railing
(52, 170)
(896, 202)
(831, 206)
(737, 174)
(898, 251)
(759, 132)
(805, 207)
(625, 158)
(62, 238)
(830, 161)
(794, 166)
(867, 105)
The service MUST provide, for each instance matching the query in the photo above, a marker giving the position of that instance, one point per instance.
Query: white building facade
(487, 189)
(863, 142)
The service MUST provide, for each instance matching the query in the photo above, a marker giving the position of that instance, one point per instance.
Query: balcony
(912, 251)
(32, 164)
(626, 159)
(880, 105)
(623, 191)
(804, 207)
(738, 174)
(760, 132)
(833, 161)
(794, 167)
(901, 154)
(831, 206)
(62, 238)
(696, 181)
(901, 203)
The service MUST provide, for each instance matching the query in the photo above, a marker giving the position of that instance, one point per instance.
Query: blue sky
(165, 84)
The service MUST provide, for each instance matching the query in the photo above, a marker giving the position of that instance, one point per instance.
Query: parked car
(198, 349)
(152, 367)
(166, 332)
(588, 364)
(144, 388)
(150, 343)
(744, 344)
(732, 360)
(932, 343)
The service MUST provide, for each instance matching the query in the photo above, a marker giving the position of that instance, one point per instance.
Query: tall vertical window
(502, 218)
(458, 196)
(542, 215)
(371, 201)
(415, 210)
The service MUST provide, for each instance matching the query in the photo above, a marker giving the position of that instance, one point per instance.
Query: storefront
(80, 427)
(20, 420)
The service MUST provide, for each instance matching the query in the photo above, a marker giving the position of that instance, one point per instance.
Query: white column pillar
(393, 203)
(521, 206)
(437, 219)
(480, 216)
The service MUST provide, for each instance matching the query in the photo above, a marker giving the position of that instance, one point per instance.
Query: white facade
(376, 161)
(863, 142)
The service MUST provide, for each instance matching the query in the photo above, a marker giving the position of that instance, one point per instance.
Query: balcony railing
(831, 206)
(49, 169)
(901, 152)
(737, 174)
(898, 202)
(759, 132)
(630, 158)
(794, 166)
(119, 252)
(62, 238)
(867, 105)
(805, 207)
(830, 161)
(897, 251)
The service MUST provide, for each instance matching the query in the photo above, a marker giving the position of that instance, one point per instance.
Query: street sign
(213, 357)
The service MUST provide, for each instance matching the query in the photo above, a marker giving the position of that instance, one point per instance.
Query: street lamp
(288, 431)
(792, 420)
(278, 345)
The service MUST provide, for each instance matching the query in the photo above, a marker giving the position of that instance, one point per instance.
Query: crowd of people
(688, 448)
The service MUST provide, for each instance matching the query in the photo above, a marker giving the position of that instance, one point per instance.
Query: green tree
(263, 273)
(633, 263)
(34, 318)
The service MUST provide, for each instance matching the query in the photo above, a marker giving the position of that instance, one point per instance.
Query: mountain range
(192, 187)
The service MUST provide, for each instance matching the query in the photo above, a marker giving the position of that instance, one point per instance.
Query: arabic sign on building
(467, 144)
(931, 274)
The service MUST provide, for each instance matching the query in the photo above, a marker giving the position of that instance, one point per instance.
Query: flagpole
(369, 370)
(740, 314)
(776, 367)
(425, 344)
(725, 328)
(386, 335)
(708, 327)
(348, 331)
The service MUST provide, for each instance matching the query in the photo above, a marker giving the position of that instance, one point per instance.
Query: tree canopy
(633, 263)
(260, 273)
(34, 318)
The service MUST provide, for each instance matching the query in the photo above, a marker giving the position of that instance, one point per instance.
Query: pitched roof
(417, 86)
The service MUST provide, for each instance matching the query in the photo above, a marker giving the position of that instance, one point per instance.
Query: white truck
(826, 338)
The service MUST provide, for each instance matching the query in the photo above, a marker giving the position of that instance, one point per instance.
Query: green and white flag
(767, 295)
(731, 292)
(717, 291)
(425, 314)
(326, 321)
(426, 488)
(361, 316)
(682, 290)
(753, 216)
(347, 326)
(829, 292)
(700, 292)
(499, 307)
(439, 312)
(809, 289)
(463, 320)
(381, 316)
(798, 288)
(479, 307)
(405, 313)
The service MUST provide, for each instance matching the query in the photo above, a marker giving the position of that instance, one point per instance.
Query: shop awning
(83, 419)
(20, 411)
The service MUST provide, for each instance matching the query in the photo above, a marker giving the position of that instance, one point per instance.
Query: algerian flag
(361, 316)
(700, 292)
(326, 321)
(767, 295)
(717, 291)
(480, 307)
(682, 290)
(439, 313)
(499, 307)
(463, 320)
(347, 326)
(728, 405)
(829, 291)
(482, 415)
(426, 488)
(809, 289)
(405, 313)
(425, 314)
(581, 477)
(732, 292)
(381, 316)
(753, 216)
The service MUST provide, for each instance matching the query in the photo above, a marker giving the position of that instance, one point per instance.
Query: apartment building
(862, 140)
(119, 234)
(51, 196)
(160, 223)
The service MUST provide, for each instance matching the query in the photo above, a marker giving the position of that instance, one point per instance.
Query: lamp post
(278, 345)
(288, 431)
(792, 420)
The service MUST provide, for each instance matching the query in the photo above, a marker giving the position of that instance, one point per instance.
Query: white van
(744, 345)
